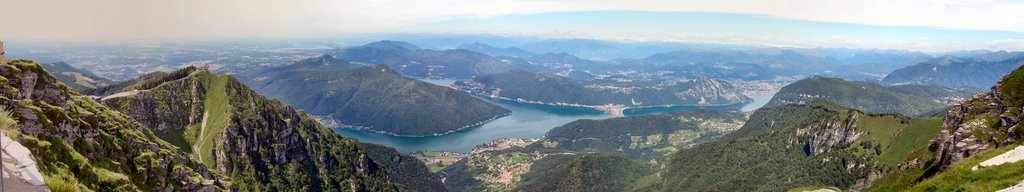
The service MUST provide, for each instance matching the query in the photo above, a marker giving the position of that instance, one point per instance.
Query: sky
(907, 24)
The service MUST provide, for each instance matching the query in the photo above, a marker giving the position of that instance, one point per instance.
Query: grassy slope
(913, 138)
(959, 176)
(217, 107)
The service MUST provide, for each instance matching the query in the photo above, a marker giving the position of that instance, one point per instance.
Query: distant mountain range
(494, 51)
(580, 57)
(912, 100)
(374, 98)
(980, 71)
(558, 90)
(78, 79)
(768, 63)
(425, 63)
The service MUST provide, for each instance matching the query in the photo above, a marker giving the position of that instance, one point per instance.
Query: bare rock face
(987, 121)
(827, 135)
(19, 167)
(713, 92)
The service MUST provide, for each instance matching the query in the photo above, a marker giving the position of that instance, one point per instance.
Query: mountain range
(979, 71)
(495, 51)
(374, 98)
(559, 90)
(912, 100)
(409, 60)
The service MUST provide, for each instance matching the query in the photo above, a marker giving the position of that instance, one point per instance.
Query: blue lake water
(526, 121)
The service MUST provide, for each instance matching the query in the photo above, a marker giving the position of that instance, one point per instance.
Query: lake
(526, 121)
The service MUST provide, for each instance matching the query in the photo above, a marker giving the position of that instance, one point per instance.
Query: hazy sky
(905, 24)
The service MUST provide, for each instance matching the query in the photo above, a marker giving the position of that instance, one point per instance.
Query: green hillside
(589, 172)
(794, 146)
(644, 138)
(912, 100)
(78, 79)
(373, 98)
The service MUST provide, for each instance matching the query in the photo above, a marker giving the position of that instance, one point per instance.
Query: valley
(526, 121)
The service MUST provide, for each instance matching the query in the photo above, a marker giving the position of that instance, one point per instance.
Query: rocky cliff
(986, 121)
(256, 143)
(81, 144)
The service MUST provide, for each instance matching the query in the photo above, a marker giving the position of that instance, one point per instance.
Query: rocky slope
(256, 143)
(81, 144)
(373, 98)
(987, 121)
(972, 131)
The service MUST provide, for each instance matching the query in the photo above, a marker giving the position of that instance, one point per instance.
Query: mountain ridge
(372, 98)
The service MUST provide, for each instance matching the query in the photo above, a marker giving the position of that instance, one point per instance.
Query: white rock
(18, 158)
(1016, 188)
(1011, 156)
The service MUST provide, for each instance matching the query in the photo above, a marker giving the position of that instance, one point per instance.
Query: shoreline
(371, 130)
(616, 110)
(524, 101)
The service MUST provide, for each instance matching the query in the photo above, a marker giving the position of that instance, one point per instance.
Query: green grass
(107, 177)
(217, 107)
(876, 132)
(879, 129)
(62, 183)
(6, 121)
(916, 136)
(959, 176)
(897, 181)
